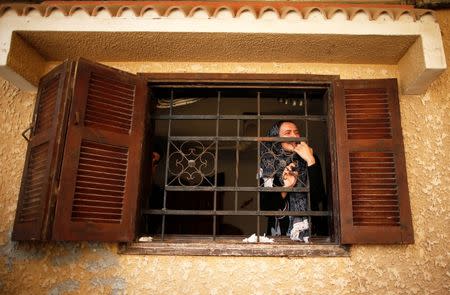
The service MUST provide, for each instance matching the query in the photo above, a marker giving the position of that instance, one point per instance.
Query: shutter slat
(96, 168)
(102, 174)
(100, 185)
(106, 180)
(106, 126)
(121, 168)
(100, 203)
(98, 197)
(98, 191)
(373, 193)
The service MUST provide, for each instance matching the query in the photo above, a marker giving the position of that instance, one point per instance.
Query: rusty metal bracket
(24, 133)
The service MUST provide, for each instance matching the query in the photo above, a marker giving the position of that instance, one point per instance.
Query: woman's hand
(305, 152)
(289, 178)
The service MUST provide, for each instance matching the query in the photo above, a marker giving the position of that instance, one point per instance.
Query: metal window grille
(192, 161)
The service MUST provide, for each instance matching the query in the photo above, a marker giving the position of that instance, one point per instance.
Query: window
(213, 138)
(85, 171)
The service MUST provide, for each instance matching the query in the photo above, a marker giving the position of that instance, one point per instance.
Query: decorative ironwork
(192, 166)
(274, 161)
(191, 163)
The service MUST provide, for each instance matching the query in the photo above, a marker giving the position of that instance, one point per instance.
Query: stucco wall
(83, 268)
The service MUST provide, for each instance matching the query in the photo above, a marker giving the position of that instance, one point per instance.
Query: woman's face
(288, 129)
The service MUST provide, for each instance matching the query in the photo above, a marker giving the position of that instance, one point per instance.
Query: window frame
(229, 247)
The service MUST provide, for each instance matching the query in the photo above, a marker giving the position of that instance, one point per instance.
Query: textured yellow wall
(95, 268)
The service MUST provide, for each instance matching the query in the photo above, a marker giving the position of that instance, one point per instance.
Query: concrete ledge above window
(31, 36)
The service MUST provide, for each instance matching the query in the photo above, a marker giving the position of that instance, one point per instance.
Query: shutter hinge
(24, 133)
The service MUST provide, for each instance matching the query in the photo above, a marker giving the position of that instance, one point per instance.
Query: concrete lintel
(419, 65)
(418, 68)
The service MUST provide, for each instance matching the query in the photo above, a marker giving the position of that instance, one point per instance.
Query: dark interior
(234, 169)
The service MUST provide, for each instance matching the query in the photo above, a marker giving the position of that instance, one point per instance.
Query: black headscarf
(274, 159)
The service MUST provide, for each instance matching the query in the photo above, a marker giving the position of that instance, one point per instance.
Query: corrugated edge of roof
(223, 9)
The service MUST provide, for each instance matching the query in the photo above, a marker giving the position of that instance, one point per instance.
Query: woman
(288, 164)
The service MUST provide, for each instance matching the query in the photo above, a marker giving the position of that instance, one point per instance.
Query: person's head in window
(286, 164)
(156, 156)
(290, 129)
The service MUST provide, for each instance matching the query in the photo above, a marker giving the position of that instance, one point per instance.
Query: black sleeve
(316, 187)
(272, 201)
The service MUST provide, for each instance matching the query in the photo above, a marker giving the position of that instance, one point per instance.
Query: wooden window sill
(234, 247)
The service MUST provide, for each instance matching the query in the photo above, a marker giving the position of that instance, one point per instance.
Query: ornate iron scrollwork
(191, 163)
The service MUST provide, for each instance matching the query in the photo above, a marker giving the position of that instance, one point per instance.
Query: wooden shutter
(36, 199)
(373, 190)
(101, 167)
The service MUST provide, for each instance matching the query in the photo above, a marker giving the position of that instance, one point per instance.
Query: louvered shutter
(101, 168)
(35, 206)
(373, 191)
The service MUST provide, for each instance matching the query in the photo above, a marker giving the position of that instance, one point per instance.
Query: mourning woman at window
(289, 164)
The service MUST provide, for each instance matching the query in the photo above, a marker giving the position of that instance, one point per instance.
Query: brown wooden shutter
(373, 190)
(100, 175)
(35, 207)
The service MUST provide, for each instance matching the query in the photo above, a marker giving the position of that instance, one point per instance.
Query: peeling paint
(116, 285)
(101, 261)
(64, 287)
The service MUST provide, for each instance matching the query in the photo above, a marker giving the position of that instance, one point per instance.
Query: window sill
(233, 247)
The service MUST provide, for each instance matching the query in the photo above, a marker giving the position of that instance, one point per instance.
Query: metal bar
(241, 117)
(236, 213)
(236, 166)
(163, 222)
(258, 199)
(308, 201)
(305, 99)
(232, 189)
(215, 165)
(187, 84)
(237, 138)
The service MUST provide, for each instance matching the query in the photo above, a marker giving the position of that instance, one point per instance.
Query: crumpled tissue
(297, 228)
(253, 239)
(145, 239)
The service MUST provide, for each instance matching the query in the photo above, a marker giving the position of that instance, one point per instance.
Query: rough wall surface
(83, 268)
